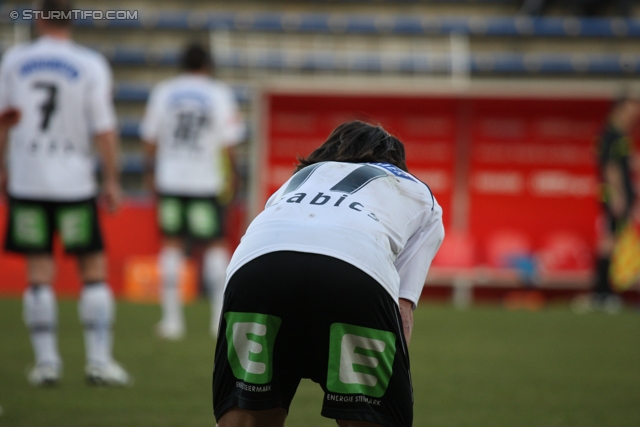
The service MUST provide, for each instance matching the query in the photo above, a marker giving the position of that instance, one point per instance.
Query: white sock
(171, 260)
(40, 313)
(215, 263)
(96, 309)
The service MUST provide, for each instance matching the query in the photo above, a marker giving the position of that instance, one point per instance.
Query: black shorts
(198, 218)
(32, 224)
(294, 315)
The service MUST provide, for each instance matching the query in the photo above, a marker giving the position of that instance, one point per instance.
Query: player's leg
(205, 224)
(96, 309)
(79, 230)
(215, 262)
(41, 316)
(602, 296)
(236, 417)
(358, 315)
(29, 232)
(319, 307)
(170, 261)
(258, 357)
(353, 423)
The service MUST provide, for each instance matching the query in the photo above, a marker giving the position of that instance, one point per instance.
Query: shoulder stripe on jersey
(301, 177)
(402, 174)
(395, 171)
(358, 178)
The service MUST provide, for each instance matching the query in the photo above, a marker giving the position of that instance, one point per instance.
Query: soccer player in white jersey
(55, 102)
(323, 286)
(189, 128)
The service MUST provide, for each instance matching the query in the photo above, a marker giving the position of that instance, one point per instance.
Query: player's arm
(9, 117)
(614, 181)
(107, 145)
(149, 149)
(234, 176)
(414, 262)
(150, 133)
(233, 133)
(406, 313)
(4, 139)
(102, 118)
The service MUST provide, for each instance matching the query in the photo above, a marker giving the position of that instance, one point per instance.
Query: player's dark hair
(57, 12)
(196, 58)
(358, 142)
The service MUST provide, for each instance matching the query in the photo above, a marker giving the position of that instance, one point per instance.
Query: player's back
(191, 118)
(364, 213)
(63, 92)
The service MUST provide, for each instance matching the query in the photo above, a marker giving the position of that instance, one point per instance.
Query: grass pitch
(481, 367)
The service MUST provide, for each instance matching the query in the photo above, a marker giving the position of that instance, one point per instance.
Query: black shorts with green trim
(33, 223)
(198, 218)
(293, 315)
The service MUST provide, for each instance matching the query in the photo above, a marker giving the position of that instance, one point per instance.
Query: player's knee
(173, 242)
(236, 417)
(355, 423)
(40, 268)
(93, 267)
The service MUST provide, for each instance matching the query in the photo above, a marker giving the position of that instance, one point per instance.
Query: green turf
(482, 367)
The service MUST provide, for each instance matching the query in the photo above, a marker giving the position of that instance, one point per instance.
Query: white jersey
(372, 215)
(191, 118)
(64, 94)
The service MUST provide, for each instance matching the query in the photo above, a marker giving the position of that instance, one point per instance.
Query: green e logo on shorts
(74, 224)
(30, 227)
(202, 218)
(170, 214)
(250, 339)
(360, 360)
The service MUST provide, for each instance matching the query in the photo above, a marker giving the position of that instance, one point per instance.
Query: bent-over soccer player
(324, 284)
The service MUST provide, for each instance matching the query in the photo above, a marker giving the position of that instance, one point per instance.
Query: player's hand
(618, 205)
(3, 182)
(112, 195)
(406, 313)
(9, 117)
(149, 183)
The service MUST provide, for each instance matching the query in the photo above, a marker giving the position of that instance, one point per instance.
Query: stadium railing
(478, 63)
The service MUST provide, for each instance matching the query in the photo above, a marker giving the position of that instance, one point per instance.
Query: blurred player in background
(56, 100)
(190, 126)
(618, 197)
(324, 284)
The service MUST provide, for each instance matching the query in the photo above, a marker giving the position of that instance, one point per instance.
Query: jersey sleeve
(414, 261)
(6, 100)
(150, 125)
(232, 127)
(102, 114)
